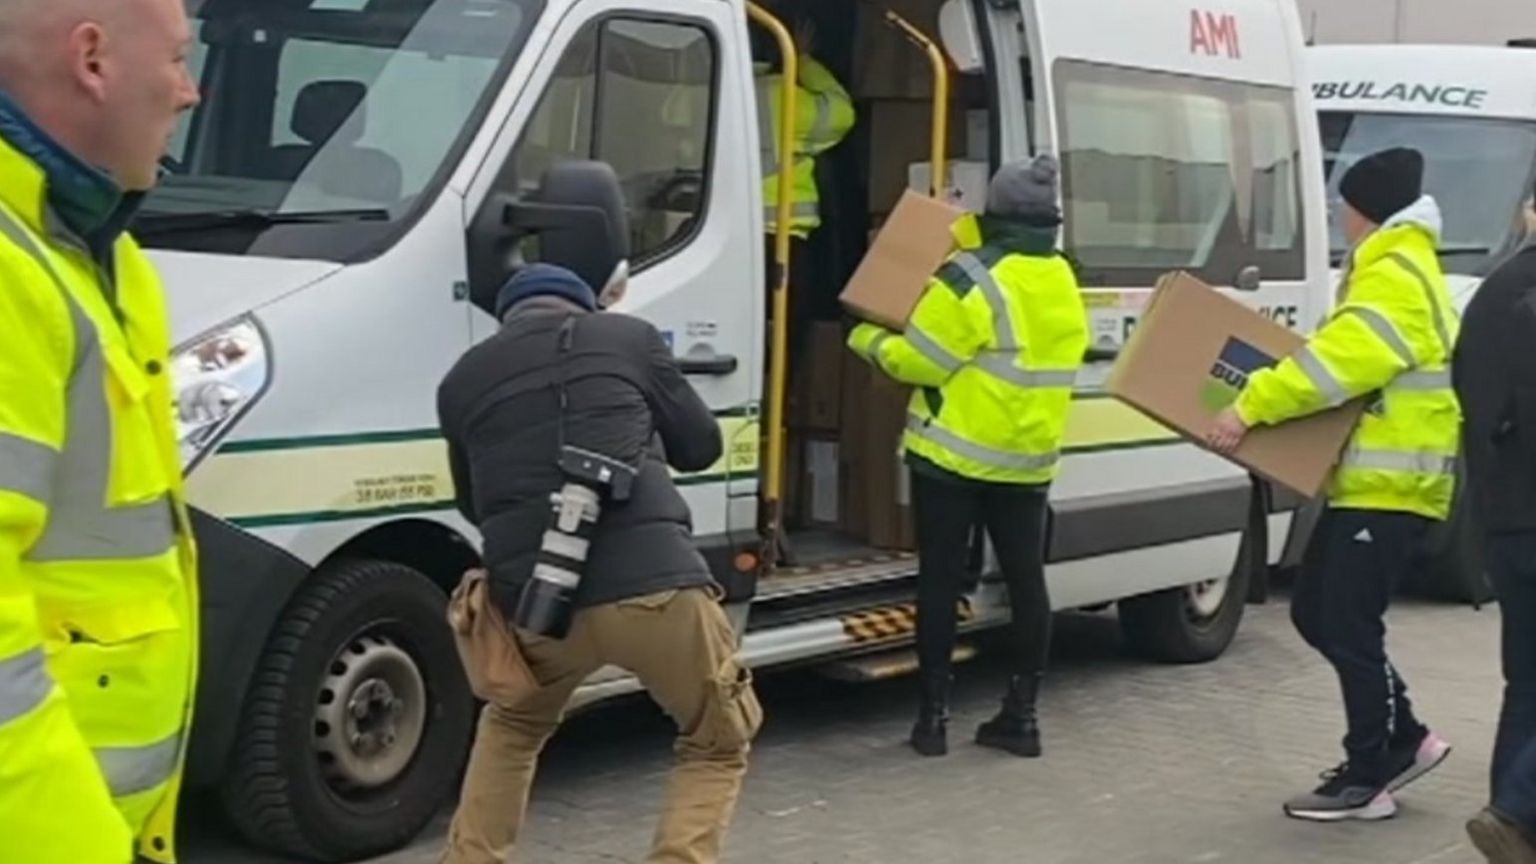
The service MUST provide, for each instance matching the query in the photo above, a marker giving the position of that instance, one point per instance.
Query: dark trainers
(1343, 795)
(1407, 764)
(1499, 841)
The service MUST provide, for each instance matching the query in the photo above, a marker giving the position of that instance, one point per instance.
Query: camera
(547, 602)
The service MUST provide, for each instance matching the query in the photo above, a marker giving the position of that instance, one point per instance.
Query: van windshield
(326, 125)
(1478, 170)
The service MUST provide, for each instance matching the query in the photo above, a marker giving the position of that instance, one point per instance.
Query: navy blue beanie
(544, 280)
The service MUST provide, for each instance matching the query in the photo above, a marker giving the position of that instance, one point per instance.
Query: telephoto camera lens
(548, 600)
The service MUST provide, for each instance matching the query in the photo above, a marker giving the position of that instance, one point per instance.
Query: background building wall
(1491, 22)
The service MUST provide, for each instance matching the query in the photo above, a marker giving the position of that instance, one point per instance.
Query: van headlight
(218, 376)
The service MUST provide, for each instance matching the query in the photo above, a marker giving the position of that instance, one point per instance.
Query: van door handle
(714, 364)
(1101, 355)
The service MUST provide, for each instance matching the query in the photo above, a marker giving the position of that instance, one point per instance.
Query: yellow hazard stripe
(890, 622)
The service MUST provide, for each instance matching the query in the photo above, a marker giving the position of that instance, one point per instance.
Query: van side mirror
(577, 216)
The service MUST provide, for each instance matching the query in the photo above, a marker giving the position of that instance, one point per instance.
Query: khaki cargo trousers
(681, 646)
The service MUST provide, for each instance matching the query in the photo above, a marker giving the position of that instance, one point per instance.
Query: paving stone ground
(1143, 763)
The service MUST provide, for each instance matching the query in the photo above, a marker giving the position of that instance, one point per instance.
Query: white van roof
(1460, 80)
(1238, 40)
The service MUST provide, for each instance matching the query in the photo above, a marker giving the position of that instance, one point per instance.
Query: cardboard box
(900, 133)
(884, 482)
(823, 482)
(856, 374)
(978, 135)
(965, 182)
(910, 247)
(888, 65)
(817, 397)
(1189, 357)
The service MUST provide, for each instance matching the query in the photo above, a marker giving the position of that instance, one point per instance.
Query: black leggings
(1014, 515)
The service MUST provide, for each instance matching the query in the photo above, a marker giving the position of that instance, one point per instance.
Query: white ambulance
(342, 205)
(1471, 111)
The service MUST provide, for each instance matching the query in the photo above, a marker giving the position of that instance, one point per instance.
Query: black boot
(930, 734)
(1015, 728)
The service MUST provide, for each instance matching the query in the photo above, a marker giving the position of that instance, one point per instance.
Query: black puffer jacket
(1495, 375)
(627, 399)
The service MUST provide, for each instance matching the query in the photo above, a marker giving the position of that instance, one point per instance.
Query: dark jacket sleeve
(687, 427)
(458, 463)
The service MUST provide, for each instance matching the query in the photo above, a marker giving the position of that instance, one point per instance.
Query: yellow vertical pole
(940, 142)
(778, 361)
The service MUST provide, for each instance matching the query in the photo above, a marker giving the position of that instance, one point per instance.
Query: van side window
(639, 95)
(1163, 171)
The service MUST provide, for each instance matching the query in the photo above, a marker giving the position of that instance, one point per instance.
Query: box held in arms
(911, 245)
(1193, 352)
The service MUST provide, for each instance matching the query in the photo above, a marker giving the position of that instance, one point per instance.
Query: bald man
(98, 595)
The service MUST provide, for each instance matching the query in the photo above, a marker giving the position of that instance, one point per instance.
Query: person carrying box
(1389, 339)
(993, 347)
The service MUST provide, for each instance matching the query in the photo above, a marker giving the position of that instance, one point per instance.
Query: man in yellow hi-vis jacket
(993, 348)
(98, 600)
(1389, 339)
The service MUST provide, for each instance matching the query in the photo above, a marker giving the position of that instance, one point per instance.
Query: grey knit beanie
(1027, 191)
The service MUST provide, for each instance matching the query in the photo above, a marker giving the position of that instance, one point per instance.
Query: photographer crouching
(552, 428)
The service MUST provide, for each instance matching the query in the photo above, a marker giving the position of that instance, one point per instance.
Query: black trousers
(1351, 569)
(1512, 568)
(945, 511)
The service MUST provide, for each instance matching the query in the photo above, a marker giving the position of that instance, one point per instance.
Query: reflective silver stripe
(1001, 365)
(1422, 380)
(1399, 460)
(1384, 329)
(1429, 297)
(81, 527)
(823, 124)
(130, 770)
(798, 210)
(26, 467)
(977, 452)
(937, 354)
(767, 135)
(1320, 377)
(1001, 324)
(24, 684)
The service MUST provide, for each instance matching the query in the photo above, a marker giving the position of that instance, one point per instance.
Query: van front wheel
(1191, 624)
(357, 721)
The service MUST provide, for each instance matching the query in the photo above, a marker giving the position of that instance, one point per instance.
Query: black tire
(1167, 628)
(278, 791)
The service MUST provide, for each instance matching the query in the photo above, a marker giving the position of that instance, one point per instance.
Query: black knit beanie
(1384, 184)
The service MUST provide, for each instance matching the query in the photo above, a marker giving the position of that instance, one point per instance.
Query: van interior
(846, 503)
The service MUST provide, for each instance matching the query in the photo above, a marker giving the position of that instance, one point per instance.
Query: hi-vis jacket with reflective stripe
(993, 347)
(98, 602)
(824, 114)
(1390, 335)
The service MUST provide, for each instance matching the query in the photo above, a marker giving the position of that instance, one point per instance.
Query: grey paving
(1143, 763)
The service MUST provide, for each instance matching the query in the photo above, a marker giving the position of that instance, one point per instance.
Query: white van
(1472, 112)
(342, 205)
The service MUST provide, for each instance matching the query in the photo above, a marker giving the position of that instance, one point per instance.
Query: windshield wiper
(153, 223)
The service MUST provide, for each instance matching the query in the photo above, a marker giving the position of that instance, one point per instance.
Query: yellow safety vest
(1390, 336)
(98, 604)
(993, 347)
(823, 116)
